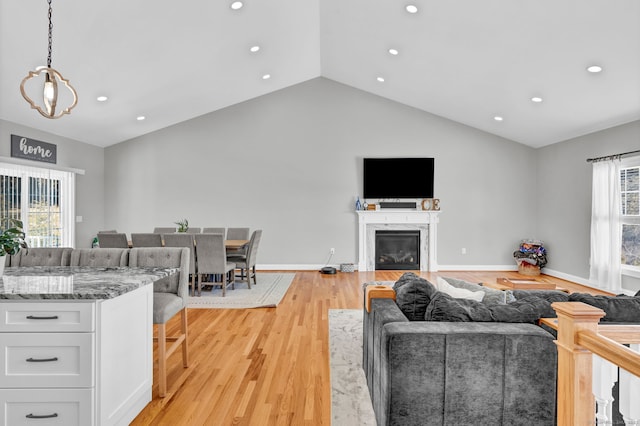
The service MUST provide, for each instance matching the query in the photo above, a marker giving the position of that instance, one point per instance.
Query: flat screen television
(398, 178)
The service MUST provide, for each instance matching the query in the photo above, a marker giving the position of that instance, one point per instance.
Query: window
(630, 216)
(43, 199)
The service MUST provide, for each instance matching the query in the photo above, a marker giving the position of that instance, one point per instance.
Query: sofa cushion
(457, 292)
(413, 294)
(526, 310)
(617, 308)
(548, 295)
(491, 295)
(637, 294)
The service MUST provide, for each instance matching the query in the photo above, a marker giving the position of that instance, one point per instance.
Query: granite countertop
(75, 282)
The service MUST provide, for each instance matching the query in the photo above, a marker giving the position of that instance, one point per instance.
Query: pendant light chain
(50, 36)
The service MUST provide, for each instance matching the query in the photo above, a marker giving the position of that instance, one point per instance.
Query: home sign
(32, 149)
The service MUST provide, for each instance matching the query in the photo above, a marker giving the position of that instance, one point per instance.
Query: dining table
(76, 343)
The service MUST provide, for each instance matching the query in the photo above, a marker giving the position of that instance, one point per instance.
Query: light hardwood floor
(269, 366)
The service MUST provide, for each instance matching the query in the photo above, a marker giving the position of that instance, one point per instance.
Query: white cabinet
(85, 362)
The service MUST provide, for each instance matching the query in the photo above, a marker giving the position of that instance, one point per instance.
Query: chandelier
(49, 107)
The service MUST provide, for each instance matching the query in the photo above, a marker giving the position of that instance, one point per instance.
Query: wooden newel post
(576, 403)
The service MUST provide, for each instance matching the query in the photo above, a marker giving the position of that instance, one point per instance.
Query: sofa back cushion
(413, 295)
(527, 310)
(617, 308)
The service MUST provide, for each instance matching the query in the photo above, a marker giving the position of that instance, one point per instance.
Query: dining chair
(221, 231)
(100, 257)
(160, 230)
(237, 234)
(182, 239)
(113, 240)
(247, 263)
(108, 231)
(212, 260)
(192, 230)
(146, 239)
(170, 297)
(42, 256)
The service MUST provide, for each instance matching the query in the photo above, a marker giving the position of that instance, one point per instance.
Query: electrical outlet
(463, 251)
(332, 250)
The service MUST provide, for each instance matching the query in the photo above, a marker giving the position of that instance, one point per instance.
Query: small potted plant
(183, 225)
(11, 239)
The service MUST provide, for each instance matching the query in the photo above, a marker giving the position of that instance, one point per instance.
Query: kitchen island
(76, 344)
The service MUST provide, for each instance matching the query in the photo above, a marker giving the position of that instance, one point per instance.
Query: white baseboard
(293, 267)
(477, 267)
(585, 282)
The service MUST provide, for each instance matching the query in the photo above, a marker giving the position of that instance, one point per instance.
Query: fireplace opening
(398, 250)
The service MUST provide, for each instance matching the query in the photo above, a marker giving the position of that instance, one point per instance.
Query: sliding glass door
(43, 199)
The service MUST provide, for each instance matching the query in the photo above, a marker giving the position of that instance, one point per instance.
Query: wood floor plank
(270, 366)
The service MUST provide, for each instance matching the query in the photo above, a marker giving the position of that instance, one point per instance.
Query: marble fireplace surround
(370, 221)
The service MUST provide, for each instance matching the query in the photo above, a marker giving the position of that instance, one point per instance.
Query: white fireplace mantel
(426, 221)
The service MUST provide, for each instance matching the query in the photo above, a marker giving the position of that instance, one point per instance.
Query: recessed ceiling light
(411, 8)
(394, 52)
(236, 5)
(594, 68)
(254, 49)
(498, 118)
(266, 76)
(101, 98)
(536, 99)
(380, 79)
(140, 117)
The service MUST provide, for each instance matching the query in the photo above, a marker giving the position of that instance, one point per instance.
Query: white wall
(564, 196)
(77, 155)
(290, 162)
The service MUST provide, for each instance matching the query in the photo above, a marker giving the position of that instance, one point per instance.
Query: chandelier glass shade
(49, 81)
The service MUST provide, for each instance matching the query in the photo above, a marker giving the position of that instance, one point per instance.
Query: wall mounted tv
(398, 178)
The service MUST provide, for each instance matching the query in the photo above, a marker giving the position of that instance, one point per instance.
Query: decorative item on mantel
(11, 239)
(358, 203)
(183, 225)
(530, 257)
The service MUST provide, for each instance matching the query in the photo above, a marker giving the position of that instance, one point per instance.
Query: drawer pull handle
(42, 318)
(55, 358)
(45, 416)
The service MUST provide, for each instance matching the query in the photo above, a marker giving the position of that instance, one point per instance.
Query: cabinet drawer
(46, 360)
(47, 317)
(64, 407)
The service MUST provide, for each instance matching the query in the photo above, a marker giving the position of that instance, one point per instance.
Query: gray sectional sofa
(431, 359)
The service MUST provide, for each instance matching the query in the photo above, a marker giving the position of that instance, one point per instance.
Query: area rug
(267, 293)
(350, 401)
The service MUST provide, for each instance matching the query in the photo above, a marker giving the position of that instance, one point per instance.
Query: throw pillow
(459, 293)
(617, 308)
(413, 294)
(491, 296)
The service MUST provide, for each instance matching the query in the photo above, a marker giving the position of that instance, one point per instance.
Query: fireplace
(424, 222)
(397, 250)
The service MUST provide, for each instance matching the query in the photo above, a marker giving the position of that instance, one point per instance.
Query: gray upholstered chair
(170, 296)
(182, 239)
(108, 231)
(237, 234)
(160, 230)
(221, 231)
(247, 263)
(42, 256)
(100, 257)
(212, 260)
(146, 239)
(113, 240)
(192, 230)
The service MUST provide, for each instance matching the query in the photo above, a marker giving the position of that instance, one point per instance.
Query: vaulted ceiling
(467, 60)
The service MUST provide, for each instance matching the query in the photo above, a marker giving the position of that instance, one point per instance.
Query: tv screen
(398, 178)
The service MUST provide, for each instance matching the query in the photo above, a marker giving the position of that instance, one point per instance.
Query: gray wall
(290, 162)
(564, 196)
(77, 155)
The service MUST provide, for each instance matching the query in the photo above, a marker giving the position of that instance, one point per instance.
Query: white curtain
(606, 230)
